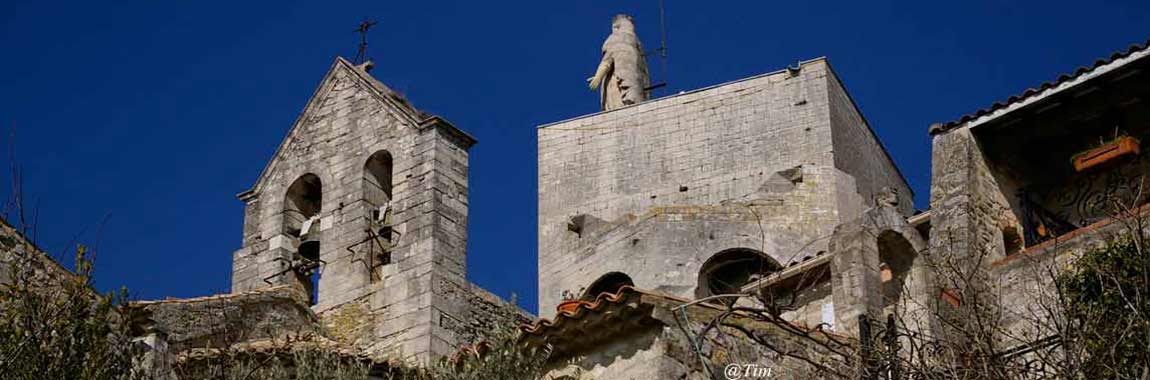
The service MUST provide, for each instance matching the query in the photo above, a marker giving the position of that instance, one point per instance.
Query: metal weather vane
(364, 26)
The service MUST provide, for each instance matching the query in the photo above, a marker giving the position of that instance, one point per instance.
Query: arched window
(302, 205)
(303, 202)
(728, 271)
(608, 283)
(377, 178)
(896, 256)
(377, 188)
(377, 196)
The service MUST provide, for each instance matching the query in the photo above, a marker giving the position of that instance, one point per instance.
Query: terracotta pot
(951, 296)
(1121, 146)
(569, 306)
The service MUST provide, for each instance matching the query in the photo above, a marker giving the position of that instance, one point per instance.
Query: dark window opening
(1011, 240)
(377, 182)
(377, 196)
(728, 271)
(896, 257)
(302, 206)
(608, 283)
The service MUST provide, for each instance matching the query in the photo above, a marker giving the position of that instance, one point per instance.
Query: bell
(385, 233)
(309, 249)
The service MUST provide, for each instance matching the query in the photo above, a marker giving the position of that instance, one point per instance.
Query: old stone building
(775, 185)
(1029, 183)
(655, 215)
(705, 193)
(669, 194)
(364, 208)
(354, 232)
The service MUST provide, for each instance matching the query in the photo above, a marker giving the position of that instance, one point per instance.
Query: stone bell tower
(363, 209)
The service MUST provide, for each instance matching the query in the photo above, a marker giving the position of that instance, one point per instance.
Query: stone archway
(877, 270)
(728, 271)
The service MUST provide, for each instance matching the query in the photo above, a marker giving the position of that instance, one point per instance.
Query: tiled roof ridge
(540, 326)
(584, 306)
(1030, 92)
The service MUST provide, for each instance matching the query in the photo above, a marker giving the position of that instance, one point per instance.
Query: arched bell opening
(380, 236)
(303, 204)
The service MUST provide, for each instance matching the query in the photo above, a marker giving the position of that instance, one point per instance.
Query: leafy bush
(59, 328)
(294, 363)
(1108, 307)
(504, 358)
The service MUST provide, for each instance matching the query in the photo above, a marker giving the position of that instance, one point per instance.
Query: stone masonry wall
(967, 207)
(16, 249)
(858, 151)
(625, 161)
(663, 351)
(768, 140)
(472, 314)
(223, 320)
(665, 248)
(393, 307)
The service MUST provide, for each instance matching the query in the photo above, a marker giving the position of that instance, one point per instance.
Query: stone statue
(622, 77)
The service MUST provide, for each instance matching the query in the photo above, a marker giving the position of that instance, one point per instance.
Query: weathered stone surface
(18, 251)
(650, 341)
(861, 249)
(223, 320)
(772, 163)
(1012, 211)
(362, 146)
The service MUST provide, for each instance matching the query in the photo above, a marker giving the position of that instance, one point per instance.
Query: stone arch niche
(896, 257)
(303, 203)
(378, 188)
(377, 179)
(303, 200)
(877, 271)
(607, 283)
(729, 270)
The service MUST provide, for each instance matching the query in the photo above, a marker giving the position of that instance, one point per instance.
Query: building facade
(658, 215)
(363, 209)
(691, 195)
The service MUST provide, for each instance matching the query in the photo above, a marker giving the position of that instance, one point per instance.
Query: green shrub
(285, 363)
(1108, 305)
(59, 328)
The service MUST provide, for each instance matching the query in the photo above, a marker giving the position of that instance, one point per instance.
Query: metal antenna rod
(662, 50)
(364, 26)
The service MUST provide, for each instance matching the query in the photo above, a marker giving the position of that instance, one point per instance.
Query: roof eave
(1064, 83)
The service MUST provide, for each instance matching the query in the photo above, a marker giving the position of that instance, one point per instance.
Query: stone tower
(700, 193)
(363, 208)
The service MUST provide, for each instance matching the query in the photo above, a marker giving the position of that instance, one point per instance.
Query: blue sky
(154, 114)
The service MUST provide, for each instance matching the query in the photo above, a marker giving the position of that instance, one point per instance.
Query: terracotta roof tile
(543, 325)
(937, 128)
